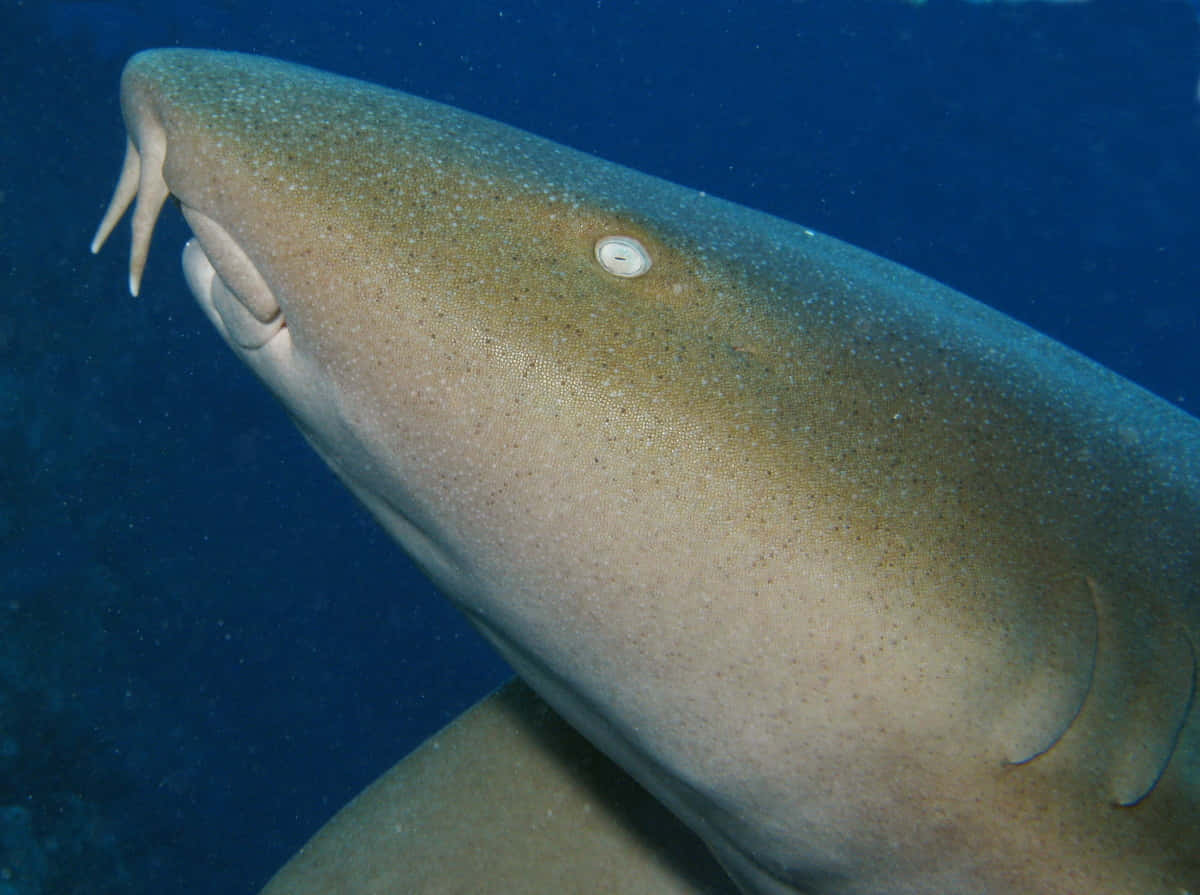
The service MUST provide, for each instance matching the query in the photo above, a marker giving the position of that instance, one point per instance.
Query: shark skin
(873, 587)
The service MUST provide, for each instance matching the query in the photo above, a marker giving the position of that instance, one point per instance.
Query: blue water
(205, 645)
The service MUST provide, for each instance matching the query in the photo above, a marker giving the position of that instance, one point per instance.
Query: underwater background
(206, 646)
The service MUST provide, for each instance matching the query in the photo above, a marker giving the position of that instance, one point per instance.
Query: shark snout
(224, 280)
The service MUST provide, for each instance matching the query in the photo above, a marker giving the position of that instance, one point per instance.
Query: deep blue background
(205, 645)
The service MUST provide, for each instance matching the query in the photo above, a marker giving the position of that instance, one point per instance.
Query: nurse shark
(874, 588)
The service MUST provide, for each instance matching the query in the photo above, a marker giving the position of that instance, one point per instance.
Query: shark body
(876, 589)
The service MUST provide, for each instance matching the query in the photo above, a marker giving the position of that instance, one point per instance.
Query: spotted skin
(875, 588)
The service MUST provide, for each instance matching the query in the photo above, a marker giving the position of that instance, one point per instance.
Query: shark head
(876, 589)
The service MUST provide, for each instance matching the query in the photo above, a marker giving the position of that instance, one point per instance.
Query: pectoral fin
(507, 798)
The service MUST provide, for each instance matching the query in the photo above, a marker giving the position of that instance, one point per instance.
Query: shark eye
(622, 256)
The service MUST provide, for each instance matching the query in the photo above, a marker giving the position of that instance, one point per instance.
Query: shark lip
(228, 285)
(226, 308)
(238, 273)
